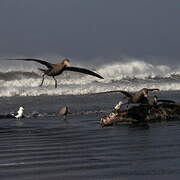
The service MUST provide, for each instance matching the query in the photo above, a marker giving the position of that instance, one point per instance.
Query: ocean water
(23, 79)
(45, 146)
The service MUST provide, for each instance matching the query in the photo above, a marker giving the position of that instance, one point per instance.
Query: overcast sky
(87, 29)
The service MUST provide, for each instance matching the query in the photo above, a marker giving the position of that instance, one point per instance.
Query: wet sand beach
(47, 147)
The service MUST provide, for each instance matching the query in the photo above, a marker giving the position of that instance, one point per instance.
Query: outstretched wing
(126, 93)
(123, 92)
(153, 89)
(49, 65)
(82, 70)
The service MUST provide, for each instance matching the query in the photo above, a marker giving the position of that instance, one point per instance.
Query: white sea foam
(135, 69)
(84, 89)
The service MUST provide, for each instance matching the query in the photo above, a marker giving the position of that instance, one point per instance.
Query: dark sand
(48, 147)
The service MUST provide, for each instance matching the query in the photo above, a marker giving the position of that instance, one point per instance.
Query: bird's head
(144, 92)
(21, 109)
(66, 62)
(118, 105)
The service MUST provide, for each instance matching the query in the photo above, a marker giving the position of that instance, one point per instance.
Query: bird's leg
(42, 80)
(55, 82)
(64, 117)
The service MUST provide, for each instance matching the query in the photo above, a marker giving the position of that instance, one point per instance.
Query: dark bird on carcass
(137, 97)
(154, 100)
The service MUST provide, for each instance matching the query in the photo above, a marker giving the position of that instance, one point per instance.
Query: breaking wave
(129, 76)
(117, 71)
(138, 70)
(15, 75)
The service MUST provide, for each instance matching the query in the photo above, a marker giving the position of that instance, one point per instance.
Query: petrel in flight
(58, 68)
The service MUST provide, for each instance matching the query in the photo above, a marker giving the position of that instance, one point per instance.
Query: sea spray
(129, 76)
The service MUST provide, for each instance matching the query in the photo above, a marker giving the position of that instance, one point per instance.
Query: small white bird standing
(118, 106)
(121, 106)
(19, 113)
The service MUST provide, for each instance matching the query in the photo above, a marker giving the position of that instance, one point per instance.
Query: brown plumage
(56, 69)
(64, 112)
(137, 97)
(153, 101)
